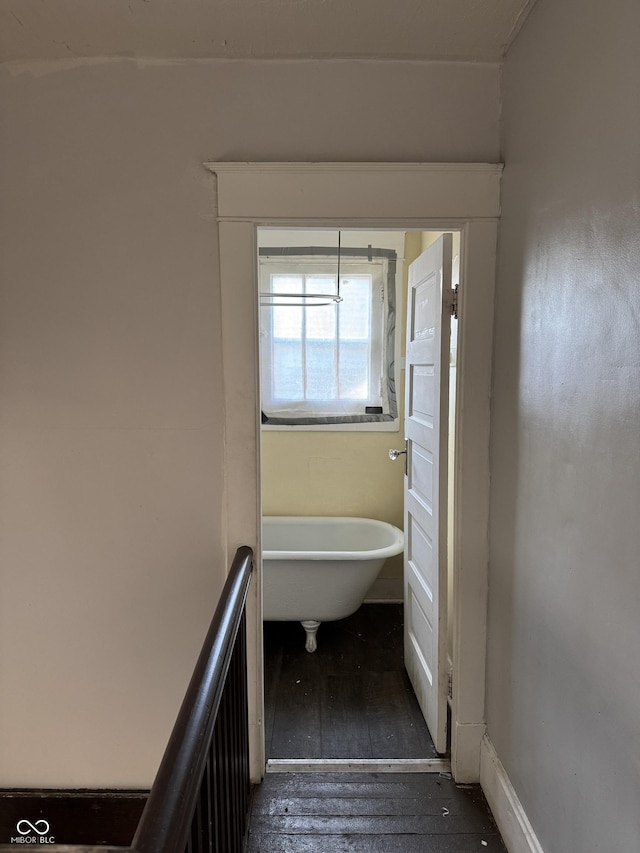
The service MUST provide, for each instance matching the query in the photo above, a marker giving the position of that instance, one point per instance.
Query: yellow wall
(333, 473)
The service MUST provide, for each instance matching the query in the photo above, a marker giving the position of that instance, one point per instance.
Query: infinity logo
(32, 827)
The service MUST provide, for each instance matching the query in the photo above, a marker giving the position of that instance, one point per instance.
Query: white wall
(111, 498)
(564, 623)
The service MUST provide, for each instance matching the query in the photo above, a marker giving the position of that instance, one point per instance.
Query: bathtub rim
(395, 547)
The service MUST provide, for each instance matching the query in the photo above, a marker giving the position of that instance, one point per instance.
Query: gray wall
(111, 433)
(564, 615)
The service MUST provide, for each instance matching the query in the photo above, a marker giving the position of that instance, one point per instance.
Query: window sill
(381, 426)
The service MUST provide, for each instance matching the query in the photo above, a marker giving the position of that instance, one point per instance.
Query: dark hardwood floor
(350, 699)
(369, 813)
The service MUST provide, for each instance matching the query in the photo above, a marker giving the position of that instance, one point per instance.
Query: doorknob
(394, 454)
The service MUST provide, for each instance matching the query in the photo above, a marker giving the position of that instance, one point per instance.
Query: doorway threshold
(358, 765)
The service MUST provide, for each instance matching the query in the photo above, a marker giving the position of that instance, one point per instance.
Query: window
(327, 363)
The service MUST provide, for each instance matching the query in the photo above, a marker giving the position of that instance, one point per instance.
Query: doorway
(419, 196)
(324, 369)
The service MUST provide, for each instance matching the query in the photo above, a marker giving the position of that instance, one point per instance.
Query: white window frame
(382, 265)
(309, 407)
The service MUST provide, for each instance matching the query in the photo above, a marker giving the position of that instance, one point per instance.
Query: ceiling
(475, 30)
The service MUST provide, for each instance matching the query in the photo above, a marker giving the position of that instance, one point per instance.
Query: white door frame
(418, 196)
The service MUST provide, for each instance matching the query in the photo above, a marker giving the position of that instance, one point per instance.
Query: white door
(425, 487)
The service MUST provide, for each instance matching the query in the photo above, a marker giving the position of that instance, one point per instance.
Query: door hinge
(453, 302)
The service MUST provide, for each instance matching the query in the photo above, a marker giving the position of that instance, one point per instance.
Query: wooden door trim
(416, 196)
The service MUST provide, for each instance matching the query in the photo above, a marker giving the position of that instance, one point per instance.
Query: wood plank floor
(350, 699)
(369, 813)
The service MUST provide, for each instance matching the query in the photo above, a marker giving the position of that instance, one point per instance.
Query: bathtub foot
(311, 627)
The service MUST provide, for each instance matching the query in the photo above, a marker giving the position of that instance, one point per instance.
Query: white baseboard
(513, 823)
(466, 742)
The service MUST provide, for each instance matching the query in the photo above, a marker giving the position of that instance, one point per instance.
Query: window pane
(355, 310)
(320, 284)
(354, 371)
(321, 322)
(321, 371)
(287, 320)
(286, 371)
(320, 319)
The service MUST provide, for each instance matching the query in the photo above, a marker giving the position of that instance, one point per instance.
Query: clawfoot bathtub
(319, 569)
